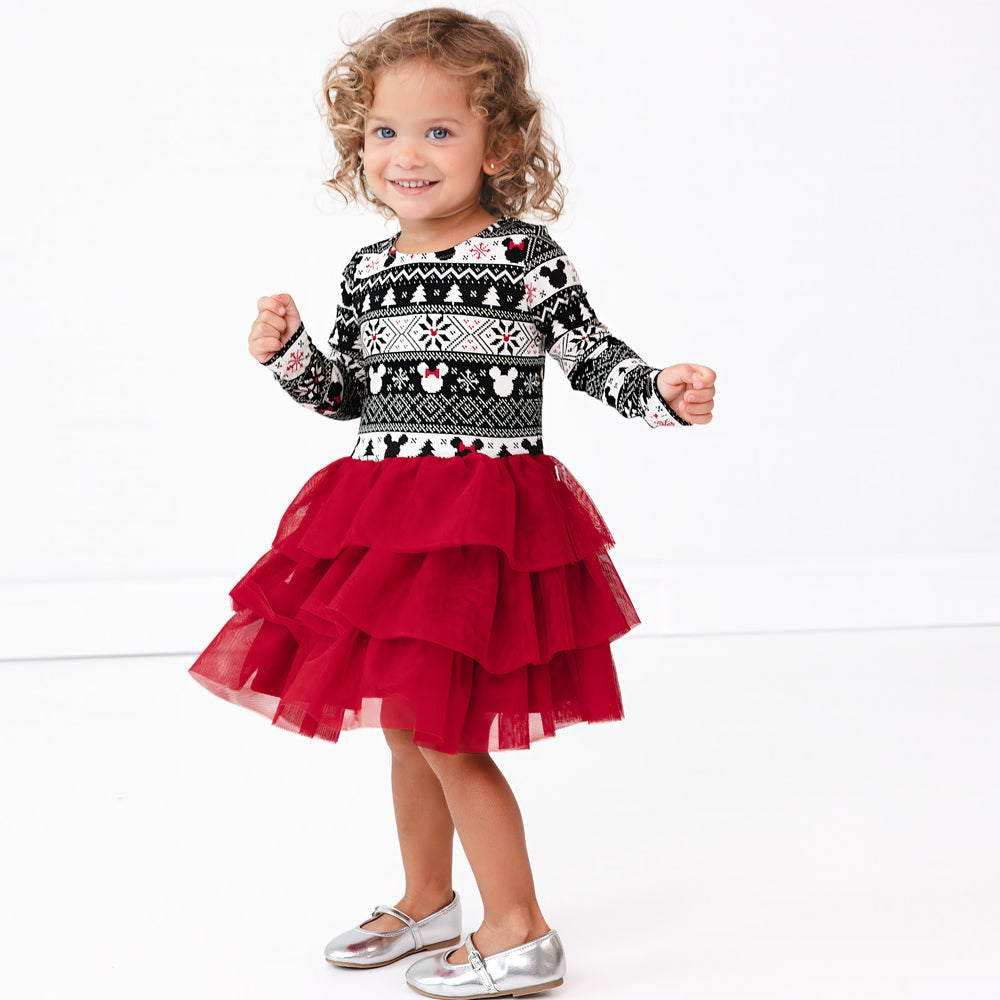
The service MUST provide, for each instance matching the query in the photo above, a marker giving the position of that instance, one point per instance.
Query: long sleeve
(335, 386)
(595, 362)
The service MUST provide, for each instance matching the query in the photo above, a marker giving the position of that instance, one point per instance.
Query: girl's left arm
(598, 363)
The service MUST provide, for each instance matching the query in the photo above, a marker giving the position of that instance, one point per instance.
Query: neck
(428, 235)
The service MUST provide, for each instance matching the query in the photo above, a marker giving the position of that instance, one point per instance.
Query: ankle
(518, 926)
(421, 903)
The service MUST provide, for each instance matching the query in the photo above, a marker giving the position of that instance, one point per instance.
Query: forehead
(419, 87)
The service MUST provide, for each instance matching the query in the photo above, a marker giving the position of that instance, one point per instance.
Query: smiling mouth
(412, 185)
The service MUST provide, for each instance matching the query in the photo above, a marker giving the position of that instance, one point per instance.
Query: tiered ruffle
(468, 599)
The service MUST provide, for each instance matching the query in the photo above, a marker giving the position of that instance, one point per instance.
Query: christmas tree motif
(428, 448)
(418, 295)
(390, 298)
(491, 298)
(503, 452)
(370, 450)
(455, 295)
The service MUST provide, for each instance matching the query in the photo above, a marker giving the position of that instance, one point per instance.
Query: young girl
(449, 581)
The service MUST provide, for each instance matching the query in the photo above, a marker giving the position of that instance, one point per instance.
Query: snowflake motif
(468, 382)
(295, 362)
(399, 379)
(480, 250)
(505, 340)
(375, 337)
(530, 293)
(371, 264)
(435, 334)
(532, 381)
(312, 379)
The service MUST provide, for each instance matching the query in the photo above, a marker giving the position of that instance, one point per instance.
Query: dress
(448, 577)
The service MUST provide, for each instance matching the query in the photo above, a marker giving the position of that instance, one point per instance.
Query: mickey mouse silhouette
(432, 378)
(392, 447)
(463, 449)
(336, 388)
(532, 449)
(570, 314)
(375, 379)
(503, 385)
(556, 275)
(515, 251)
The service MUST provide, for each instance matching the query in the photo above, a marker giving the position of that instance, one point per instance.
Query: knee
(446, 764)
(400, 743)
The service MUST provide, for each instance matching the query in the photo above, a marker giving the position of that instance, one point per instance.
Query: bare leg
(426, 833)
(489, 825)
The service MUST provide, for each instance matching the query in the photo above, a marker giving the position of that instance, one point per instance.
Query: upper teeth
(412, 184)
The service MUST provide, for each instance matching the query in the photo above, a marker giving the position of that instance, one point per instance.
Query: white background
(803, 196)
(780, 817)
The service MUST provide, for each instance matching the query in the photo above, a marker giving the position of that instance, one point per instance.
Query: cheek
(372, 161)
(470, 163)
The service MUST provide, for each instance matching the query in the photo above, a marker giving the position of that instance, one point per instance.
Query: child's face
(420, 131)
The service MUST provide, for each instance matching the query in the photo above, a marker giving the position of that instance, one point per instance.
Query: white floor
(781, 817)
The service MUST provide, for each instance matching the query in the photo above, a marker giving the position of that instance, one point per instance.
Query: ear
(505, 147)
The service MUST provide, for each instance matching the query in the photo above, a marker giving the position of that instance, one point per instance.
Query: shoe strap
(476, 961)
(418, 941)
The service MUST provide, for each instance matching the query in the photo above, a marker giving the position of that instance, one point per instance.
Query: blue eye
(384, 132)
(439, 133)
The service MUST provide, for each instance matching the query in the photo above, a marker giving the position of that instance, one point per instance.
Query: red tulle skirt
(468, 599)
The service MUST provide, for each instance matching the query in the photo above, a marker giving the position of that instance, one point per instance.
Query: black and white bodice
(444, 353)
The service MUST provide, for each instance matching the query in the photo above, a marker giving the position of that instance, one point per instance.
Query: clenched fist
(277, 319)
(689, 391)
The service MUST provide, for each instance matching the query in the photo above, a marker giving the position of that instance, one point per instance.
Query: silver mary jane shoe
(530, 968)
(360, 948)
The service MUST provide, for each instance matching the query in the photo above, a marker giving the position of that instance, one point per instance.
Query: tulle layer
(468, 599)
(528, 506)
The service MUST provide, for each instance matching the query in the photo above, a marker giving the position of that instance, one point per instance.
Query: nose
(406, 154)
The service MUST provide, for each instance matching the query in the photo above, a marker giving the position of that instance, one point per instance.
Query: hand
(277, 319)
(689, 390)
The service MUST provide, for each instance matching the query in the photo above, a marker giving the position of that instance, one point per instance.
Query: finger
(699, 395)
(262, 329)
(702, 376)
(699, 409)
(272, 319)
(698, 418)
(266, 345)
(684, 373)
(273, 303)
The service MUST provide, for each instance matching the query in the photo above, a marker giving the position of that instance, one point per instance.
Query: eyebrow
(427, 121)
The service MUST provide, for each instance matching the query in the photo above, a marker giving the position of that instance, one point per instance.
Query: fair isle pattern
(444, 353)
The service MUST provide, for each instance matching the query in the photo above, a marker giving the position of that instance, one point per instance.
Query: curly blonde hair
(495, 64)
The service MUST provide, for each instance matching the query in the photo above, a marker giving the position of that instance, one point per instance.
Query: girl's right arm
(334, 386)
